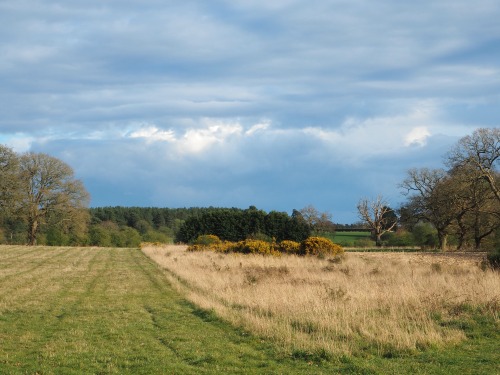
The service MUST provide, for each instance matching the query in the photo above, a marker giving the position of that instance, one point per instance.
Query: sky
(230, 103)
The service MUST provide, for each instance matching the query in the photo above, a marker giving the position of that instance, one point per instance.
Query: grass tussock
(380, 303)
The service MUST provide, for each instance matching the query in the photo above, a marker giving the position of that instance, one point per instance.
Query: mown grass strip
(111, 311)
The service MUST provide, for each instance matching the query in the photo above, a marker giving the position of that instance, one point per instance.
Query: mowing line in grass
(112, 311)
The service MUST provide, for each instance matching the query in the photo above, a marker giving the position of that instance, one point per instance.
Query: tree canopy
(39, 190)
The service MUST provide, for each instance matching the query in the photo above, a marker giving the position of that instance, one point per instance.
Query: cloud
(18, 142)
(417, 136)
(233, 102)
(151, 133)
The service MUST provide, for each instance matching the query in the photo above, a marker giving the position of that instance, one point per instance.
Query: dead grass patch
(367, 301)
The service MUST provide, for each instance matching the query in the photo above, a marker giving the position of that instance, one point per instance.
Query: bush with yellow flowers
(288, 247)
(255, 247)
(319, 246)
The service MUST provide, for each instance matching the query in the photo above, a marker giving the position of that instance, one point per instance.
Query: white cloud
(216, 133)
(152, 133)
(18, 142)
(357, 140)
(262, 126)
(417, 136)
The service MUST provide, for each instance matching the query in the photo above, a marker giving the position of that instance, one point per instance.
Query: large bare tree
(375, 213)
(9, 181)
(48, 189)
(476, 207)
(431, 199)
(481, 152)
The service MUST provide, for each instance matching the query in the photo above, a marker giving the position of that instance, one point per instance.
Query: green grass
(111, 311)
(349, 239)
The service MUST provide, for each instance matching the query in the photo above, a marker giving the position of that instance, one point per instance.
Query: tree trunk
(477, 240)
(443, 240)
(32, 232)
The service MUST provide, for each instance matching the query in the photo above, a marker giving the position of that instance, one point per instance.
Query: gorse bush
(255, 247)
(207, 240)
(319, 246)
(289, 247)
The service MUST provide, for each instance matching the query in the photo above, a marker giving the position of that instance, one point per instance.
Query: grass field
(113, 311)
(349, 239)
(377, 305)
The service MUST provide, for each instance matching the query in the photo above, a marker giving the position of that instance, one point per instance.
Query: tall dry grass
(383, 302)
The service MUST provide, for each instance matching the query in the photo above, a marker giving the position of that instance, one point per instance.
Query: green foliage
(111, 235)
(398, 238)
(425, 235)
(56, 237)
(129, 237)
(260, 236)
(99, 236)
(319, 246)
(156, 236)
(237, 225)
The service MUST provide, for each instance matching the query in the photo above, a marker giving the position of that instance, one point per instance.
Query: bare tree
(317, 221)
(476, 206)
(49, 189)
(431, 199)
(480, 151)
(9, 181)
(375, 214)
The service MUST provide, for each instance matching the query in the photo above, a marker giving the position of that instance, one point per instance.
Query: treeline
(462, 202)
(453, 208)
(237, 225)
(129, 226)
(151, 224)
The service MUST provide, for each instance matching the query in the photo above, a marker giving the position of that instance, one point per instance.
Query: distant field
(349, 239)
(114, 311)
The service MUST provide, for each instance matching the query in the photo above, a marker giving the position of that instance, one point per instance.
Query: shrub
(319, 246)
(223, 247)
(425, 235)
(207, 240)
(288, 247)
(255, 247)
(156, 236)
(260, 236)
(399, 238)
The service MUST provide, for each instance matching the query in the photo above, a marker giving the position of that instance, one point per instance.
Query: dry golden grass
(368, 301)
